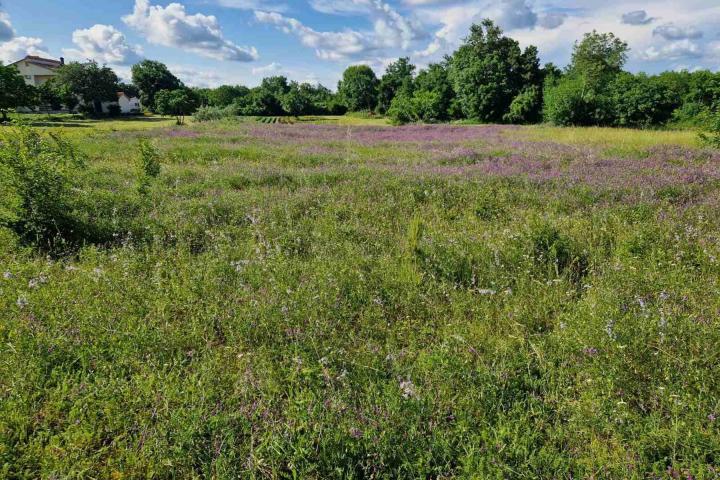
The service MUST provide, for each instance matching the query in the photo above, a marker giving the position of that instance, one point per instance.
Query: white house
(37, 70)
(127, 104)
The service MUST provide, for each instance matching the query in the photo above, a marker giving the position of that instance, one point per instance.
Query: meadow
(337, 298)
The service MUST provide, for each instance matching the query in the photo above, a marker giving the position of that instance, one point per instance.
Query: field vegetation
(338, 299)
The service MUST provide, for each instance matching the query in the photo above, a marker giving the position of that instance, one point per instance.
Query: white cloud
(6, 29)
(18, 47)
(552, 20)
(670, 31)
(197, 78)
(678, 50)
(253, 5)
(172, 26)
(104, 44)
(274, 67)
(327, 45)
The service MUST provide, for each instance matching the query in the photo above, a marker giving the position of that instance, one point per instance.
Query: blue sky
(211, 42)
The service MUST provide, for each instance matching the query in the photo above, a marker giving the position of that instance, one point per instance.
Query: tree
(398, 75)
(640, 101)
(526, 107)
(358, 88)
(598, 58)
(226, 95)
(14, 92)
(297, 100)
(90, 82)
(179, 102)
(434, 79)
(130, 89)
(151, 77)
(489, 70)
(48, 94)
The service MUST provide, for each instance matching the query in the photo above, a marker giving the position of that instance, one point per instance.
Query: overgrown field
(348, 301)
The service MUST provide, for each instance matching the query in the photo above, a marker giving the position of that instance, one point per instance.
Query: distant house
(37, 70)
(128, 105)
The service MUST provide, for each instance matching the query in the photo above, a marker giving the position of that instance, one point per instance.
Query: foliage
(358, 88)
(489, 70)
(50, 95)
(598, 58)
(37, 171)
(434, 79)
(639, 101)
(151, 77)
(130, 89)
(226, 95)
(348, 301)
(148, 164)
(13, 90)
(526, 107)
(180, 102)
(208, 114)
(398, 75)
(90, 82)
(296, 101)
(711, 135)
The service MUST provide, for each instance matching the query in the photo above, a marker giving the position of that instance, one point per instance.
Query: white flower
(21, 302)
(7, 275)
(408, 389)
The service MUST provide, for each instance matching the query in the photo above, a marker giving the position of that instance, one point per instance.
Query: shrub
(148, 163)
(711, 137)
(569, 102)
(36, 172)
(114, 110)
(209, 114)
(526, 107)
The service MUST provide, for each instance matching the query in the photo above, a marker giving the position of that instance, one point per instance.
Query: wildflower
(712, 417)
(486, 291)
(590, 351)
(239, 265)
(408, 389)
(7, 275)
(21, 302)
(355, 433)
(610, 329)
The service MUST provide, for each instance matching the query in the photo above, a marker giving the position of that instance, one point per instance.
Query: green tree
(131, 90)
(151, 77)
(398, 74)
(90, 82)
(49, 95)
(358, 88)
(297, 100)
(435, 79)
(226, 95)
(179, 102)
(489, 70)
(14, 92)
(598, 58)
(640, 101)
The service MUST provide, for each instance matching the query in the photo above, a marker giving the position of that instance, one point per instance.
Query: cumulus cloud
(670, 31)
(18, 47)
(673, 51)
(390, 30)
(104, 44)
(274, 67)
(6, 29)
(196, 78)
(172, 26)
(253, 5)
(637, 17)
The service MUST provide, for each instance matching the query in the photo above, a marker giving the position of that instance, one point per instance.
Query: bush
(639, 102)
(711, 137)
(526, 107)
(114, 110)
(569, 102)
(36, 172)
(148, 163)
(209, 114)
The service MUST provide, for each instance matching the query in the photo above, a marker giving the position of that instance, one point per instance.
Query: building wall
(34, 74)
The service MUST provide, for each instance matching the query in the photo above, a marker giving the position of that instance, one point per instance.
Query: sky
(213, 42)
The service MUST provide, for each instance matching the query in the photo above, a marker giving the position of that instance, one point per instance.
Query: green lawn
(332, 299)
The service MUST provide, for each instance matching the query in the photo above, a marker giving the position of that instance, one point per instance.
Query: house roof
(40, 61)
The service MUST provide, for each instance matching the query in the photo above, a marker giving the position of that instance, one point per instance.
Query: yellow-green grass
(622, 138)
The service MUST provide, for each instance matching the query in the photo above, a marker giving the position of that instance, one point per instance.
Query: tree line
(489, 78)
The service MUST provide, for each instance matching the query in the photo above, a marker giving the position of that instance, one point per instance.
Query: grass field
(340, 299)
